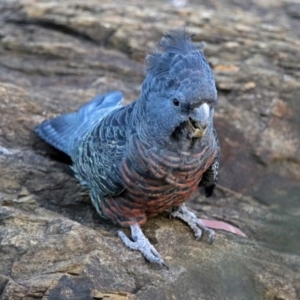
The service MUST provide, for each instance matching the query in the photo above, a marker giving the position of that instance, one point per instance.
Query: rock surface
(56, 55)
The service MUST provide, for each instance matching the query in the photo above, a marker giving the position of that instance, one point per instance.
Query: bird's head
(179, 92)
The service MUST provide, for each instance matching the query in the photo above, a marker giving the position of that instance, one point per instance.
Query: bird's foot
(191, 219)
(142, 244)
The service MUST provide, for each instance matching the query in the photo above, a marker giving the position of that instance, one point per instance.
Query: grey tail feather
(59, 131)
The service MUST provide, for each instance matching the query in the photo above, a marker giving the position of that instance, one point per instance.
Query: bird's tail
(60, 131)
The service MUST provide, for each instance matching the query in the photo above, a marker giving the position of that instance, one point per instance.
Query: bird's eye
(176, 102)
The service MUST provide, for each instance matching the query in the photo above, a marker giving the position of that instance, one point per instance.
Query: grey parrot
(141, 159)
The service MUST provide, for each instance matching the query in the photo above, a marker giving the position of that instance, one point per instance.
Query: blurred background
(56, 55)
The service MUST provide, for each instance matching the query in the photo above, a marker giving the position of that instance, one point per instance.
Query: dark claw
(198, 238)
(211, 237)
(165, 265)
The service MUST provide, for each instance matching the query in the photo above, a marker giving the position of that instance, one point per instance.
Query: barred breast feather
(155, 179)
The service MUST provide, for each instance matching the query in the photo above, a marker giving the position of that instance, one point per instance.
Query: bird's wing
(65, 131)
(100, 154)
(210, 177)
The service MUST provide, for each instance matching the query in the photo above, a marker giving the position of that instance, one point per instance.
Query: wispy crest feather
(172, 43)
(174, 58)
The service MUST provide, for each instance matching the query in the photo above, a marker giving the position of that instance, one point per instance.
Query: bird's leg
(183, 213)
(142, 244)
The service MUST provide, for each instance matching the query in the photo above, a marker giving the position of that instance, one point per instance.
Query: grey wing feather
(91, 115)
(97, 160)
(95, 138)
(210, 177)
(65, 131)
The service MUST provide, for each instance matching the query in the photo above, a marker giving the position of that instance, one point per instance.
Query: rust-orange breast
(155, 180)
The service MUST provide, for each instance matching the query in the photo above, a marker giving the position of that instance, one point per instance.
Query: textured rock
(54, 56)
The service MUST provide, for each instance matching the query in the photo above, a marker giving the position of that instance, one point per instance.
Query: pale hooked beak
(199, 121)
